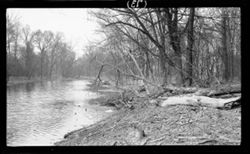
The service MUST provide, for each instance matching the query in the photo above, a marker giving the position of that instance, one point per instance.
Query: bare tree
(43, 41)
(28, 37)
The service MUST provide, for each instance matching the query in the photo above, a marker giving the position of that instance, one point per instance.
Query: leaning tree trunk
(98, 77)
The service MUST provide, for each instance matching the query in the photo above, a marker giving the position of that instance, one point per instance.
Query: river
(40, 114)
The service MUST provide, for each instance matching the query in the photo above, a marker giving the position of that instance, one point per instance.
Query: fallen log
(203, 101)
(173, 91)
(214, 94)
(218, 92)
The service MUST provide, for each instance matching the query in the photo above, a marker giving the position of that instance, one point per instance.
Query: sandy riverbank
(150, 124)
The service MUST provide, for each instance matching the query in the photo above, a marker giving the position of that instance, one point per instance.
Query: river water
(40, 114)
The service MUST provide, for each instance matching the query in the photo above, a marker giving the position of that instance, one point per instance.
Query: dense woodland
(158, 46)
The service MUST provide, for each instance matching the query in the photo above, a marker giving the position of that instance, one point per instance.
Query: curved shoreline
(149, 124)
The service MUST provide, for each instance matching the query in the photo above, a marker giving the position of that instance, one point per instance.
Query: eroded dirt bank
(150, 124)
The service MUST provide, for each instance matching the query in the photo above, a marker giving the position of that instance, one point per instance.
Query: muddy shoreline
(106, 92)
(150, 124)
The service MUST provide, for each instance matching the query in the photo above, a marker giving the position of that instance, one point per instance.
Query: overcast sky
(77, 25)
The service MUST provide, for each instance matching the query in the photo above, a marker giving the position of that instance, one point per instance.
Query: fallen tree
(220, 91)
(200, 97)
(203, 101)
(223, 91)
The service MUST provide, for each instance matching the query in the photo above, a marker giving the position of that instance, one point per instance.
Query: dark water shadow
(27, 87)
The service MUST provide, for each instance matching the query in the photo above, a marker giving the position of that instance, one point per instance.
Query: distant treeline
(38, 53)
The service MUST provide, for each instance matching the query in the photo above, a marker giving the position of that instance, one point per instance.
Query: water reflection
(41, 113)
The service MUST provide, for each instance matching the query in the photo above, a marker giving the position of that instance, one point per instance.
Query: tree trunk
(118, 77)
(140, 71)
(163, 68)
(147, 65)
(172, 23)
(190, 45)
(225, 56)
(98, 77)
(41, 66)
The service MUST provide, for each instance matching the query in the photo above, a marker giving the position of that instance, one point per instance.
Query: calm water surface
(42, 113)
